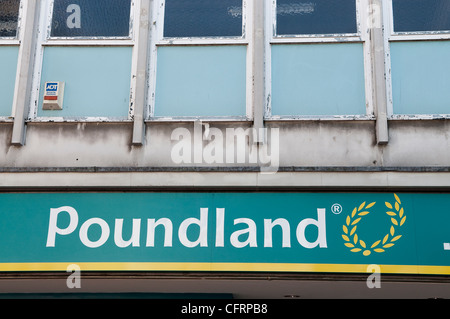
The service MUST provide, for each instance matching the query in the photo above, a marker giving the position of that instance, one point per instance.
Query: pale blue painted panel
(8, 68)
(421, 77)
(201, 81)
(97, 80)
(318, 79)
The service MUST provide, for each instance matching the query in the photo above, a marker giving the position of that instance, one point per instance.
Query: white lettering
(84, 232)
(220, 227)
(189, 309)
(53, 228)
(202, 239)
(285, 228)
(74, 280)
(242, 138)
(181, 151)
(213, 151)
(74, 20)
(374, 280)
(192, 232)
(198, 142)
(321, 228)
(251, 231)
(135, 234)
(274, 157)
(168, 231)
(232, 145)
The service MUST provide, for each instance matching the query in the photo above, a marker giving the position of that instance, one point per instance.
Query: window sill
(321, 118)
(6, 119)
(418, 117)
(89, 42)
(198, 118)
(9, 42)
(78, 120)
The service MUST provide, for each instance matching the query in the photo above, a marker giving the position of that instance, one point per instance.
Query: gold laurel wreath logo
(352, 238)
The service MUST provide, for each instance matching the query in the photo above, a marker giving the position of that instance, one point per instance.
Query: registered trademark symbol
(336, 209)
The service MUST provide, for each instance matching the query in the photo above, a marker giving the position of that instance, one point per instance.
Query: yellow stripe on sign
(212, 267)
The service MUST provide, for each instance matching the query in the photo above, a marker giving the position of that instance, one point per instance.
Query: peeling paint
(321, 118)
(420, 117)
(245, 40)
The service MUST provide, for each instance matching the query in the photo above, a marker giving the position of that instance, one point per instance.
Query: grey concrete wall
(412, 143)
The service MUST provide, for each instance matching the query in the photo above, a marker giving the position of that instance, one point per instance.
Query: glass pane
(421, 15)
(318, 79)
(97, 80)
(8, 66)
(9, 14)
(91, 18)
(201, 81)
(316, 17)
(421, 77)
(203, 18)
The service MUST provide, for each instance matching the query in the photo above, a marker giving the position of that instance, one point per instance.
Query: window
(88, 47)
(420, 70)
(203, 18)
(317, 59)
(9, 16)
(318, 79)
(315, 17)
(88, 18)
(199, 59)
(421, 15)
(9, 49)
(8, 67)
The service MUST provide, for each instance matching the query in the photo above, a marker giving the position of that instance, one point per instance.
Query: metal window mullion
(140, 57)
(257, 47)
(366, 19)
(378, 50)
(15, 41)
(22, 94)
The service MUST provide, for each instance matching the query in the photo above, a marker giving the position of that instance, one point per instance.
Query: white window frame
(15, 42)
(157, 39)
(46, 40)
(391, 36)
(362, 36)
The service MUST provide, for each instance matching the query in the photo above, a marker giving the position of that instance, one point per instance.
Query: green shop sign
(407, 233)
